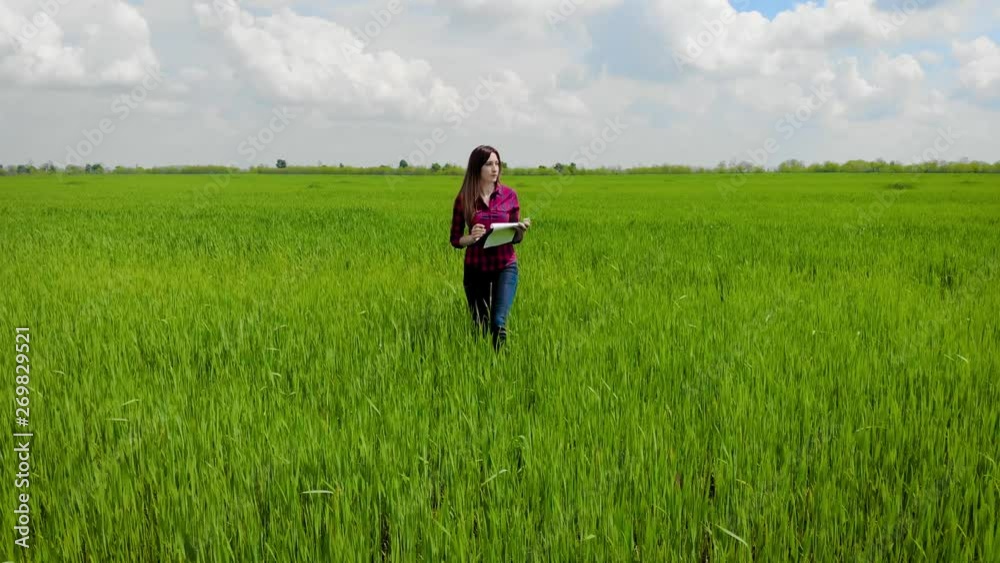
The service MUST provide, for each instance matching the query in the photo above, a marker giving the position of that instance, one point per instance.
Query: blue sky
(768, 8)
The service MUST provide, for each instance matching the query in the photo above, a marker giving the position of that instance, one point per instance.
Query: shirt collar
(498, 191)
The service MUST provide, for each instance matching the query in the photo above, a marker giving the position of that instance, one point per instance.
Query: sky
(595, 82)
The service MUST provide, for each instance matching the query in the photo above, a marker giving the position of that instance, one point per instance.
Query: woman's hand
(522, 227)
(478, 230)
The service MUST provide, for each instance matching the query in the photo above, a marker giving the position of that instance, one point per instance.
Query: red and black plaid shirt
(503, 208)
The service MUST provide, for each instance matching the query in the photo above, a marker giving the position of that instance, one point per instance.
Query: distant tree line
(964, 166)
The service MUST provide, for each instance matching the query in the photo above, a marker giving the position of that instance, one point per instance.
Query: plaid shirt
(503, 208)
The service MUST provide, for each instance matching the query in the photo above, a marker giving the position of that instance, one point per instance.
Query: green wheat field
(700, 368)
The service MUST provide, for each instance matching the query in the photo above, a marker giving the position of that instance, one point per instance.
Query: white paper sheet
(502, 233)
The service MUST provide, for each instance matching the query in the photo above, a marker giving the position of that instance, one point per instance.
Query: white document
(500, 233)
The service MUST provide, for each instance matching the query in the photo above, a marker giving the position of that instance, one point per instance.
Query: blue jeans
(490, 296)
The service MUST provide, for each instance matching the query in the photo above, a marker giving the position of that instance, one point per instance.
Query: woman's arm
(515, 217)
(458, 240)
(458, 225)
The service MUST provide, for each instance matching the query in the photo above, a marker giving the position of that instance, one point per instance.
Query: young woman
(490, 276)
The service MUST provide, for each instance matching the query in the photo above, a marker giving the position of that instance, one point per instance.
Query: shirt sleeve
(515, 214)
(457, 223)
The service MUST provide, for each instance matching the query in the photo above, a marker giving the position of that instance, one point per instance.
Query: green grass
(797, 368)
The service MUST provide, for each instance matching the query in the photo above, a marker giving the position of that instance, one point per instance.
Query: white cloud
(321, 64)
(512, 98)
(930, 108)
(929, 57)
(165, 107)
(897, 72)
(97, 43)
(888, 86)
(192, 74)
(711, 36)
(980, 66)
(773, 65)
(531, 16)
(567, 104)
(571, 77)
(310, 60)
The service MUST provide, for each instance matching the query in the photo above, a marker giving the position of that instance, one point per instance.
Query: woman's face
(491, 170)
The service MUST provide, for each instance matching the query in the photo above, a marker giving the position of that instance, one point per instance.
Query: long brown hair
(470, 185)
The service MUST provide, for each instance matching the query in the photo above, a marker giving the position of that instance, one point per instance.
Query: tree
(855, 165)
(281, 163)
(435, 167)
(559, 167)
(791, 165)
(403, 164)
